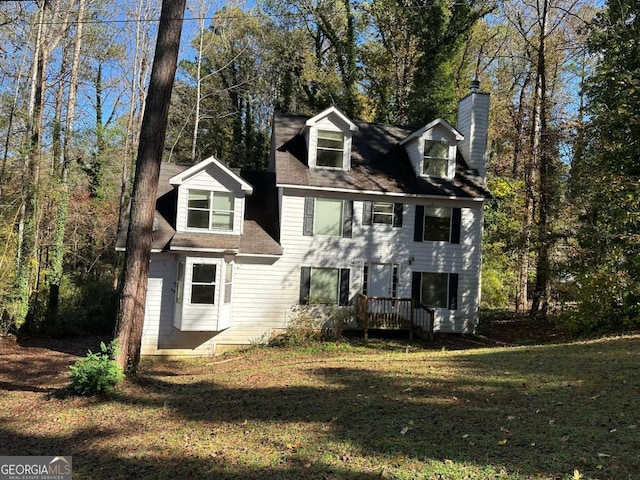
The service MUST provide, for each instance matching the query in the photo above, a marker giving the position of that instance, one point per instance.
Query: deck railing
(394, 314)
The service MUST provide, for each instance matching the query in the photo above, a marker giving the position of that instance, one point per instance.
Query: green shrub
(97, 373)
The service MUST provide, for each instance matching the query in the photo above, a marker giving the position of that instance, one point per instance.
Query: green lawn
(563, 411)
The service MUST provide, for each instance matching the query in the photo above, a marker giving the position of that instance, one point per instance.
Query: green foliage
(503, 217)
(97, 373)
(315, 322)
(606, 177)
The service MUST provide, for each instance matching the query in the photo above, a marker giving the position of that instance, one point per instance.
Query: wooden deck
(390, 313)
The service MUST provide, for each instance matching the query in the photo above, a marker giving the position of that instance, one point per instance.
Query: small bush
(97, 373)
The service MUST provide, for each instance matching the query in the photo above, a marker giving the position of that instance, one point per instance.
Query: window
(324, 285)
(436, 290)
(436, 158)
(330, 151)
(203, 284)
(180, 283)
(384, 213)
(328, 217)
(437, 224)
(228, 281)
(210, 210)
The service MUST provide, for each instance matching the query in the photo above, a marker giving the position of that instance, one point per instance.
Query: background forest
(561, 234)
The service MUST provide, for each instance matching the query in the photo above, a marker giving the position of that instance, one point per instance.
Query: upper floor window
(210, 210)
(330, 149)
(327, 217)
(437, 224)
(436, 158)
(385, 213)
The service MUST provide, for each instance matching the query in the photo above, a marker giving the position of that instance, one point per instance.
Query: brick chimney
(473, 123)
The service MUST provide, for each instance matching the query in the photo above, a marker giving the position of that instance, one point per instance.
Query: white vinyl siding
(264, 290)
(426, 147)
(208, 204)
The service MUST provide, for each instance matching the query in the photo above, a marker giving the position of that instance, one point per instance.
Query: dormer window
(330, 149)
(208, 210)
(436, 158)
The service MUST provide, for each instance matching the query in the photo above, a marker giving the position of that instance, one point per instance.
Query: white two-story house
(345, 208)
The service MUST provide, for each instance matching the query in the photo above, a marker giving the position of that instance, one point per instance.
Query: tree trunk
(540, 301)
(27, 257)
(145, 186)
(62, 213)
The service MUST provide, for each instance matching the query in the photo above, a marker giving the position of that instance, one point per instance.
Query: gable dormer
(329, 136)
(211, 199)
(433, 148)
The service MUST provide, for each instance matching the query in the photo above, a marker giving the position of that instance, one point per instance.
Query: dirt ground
(41, 364)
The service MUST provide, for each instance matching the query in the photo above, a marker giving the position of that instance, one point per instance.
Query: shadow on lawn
(556, 407)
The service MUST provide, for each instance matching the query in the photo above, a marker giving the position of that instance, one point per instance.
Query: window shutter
(418, 230)
(453, 291)
(416, 286)
(456, 218)
(397, 214)
(307, 228)
(367, 213)
(305, 285)
(344, 286)
(347, 218)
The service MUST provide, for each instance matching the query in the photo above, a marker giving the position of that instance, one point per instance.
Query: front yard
(342, 411)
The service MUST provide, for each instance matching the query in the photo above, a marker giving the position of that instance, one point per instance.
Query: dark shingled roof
(378, 163)
(260, 229)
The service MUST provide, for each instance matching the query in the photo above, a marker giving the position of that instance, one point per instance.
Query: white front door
(380, 278)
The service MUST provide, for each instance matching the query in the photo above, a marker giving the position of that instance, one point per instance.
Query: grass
(563, 411)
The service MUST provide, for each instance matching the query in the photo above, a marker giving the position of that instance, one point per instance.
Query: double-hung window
(435, 290)
(209, 210)
(327, 217)
(385, 213)
(203, 284)
(330, 149)
(324, 285)
(437, 224)
(436, 158)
